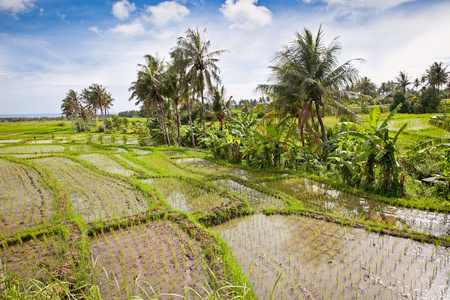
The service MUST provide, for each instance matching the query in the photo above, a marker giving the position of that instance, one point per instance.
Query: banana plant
(375, 148)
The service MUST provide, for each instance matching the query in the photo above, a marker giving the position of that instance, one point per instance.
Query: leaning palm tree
(403, 81)
(307, 73)
(71, 106)
(148, 89)
(201, 63)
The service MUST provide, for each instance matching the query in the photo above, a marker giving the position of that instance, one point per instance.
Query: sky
(48, 47)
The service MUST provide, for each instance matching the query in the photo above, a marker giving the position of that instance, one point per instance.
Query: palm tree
(100, 98)
(416, 84)
(180, 88)
(201, 63)
(148, 89)
(220, 108)
(70, 106)
(436, 75)
(307, 73)
(365, 86)
(403, 81)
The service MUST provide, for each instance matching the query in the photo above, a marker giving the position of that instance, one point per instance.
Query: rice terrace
(325, 186)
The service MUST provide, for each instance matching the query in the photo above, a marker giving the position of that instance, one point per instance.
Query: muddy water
(216, 169)
(320, 197)
(321, 260)
(256, 199)
(184, 196)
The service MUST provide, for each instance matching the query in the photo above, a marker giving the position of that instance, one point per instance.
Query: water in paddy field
(257, 200)
(321, 260)
(320, 197)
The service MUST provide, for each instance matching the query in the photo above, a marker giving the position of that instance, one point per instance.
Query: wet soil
(149, 260)
(93, 196)
(29, 259)
(24, 200)
(185, 196)
(105, 163)
(320, 260)
(257, 199)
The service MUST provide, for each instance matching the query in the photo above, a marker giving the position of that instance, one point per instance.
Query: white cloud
(41, 12)
(123, 9)
(131, 29)
(16, 6)
(166, 12)
(378, 4)
(246, 14)
(95, 30)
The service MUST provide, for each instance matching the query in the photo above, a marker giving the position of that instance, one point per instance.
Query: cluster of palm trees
(436, 76)
(162, 87)
(83, 107)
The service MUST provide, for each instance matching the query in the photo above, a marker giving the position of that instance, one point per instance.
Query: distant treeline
(133, 114)
(22, 119)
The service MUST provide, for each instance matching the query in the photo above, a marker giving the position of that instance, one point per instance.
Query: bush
(430, 101)
(399, 97)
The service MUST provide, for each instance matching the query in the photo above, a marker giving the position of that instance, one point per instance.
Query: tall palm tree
(436, 75)
(148, 89)
(180, 87)
(403, 81)
(70, 106)
(306, 72)
(201, 63)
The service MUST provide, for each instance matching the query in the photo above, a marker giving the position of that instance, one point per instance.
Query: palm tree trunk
(300, 126)
(203, 116)
(190, 123)
(163, 123)
(73, 128)
(178, 124)
(322, 126)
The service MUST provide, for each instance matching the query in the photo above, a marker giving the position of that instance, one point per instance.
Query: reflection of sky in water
(319, 197)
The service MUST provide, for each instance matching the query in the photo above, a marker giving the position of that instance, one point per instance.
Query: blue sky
(48, 47)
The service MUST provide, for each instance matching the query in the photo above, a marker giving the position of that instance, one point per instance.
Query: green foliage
(399, 98)
(372, 151)
(430, 100)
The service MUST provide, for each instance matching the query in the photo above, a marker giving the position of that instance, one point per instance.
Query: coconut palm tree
(403, 81)
(306, 72)
(70, 106)
(100, 98)
(365, 86)
(149, 87)
(220, 108)
(201, 63)
(436, 75)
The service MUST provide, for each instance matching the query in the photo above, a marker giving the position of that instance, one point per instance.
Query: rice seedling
(32, 149)
(105, 163)
(362, 264)
(125, 258)
(92, 196)
(25, 201)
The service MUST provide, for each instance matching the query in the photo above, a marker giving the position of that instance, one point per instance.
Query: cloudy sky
(50, 46)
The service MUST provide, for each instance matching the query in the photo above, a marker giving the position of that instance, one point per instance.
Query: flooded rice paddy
(320, 260)
(322, 198)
